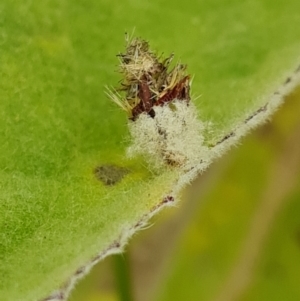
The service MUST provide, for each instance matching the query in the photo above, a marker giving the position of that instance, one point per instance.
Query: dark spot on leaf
(96, 258)
(260, 110)
(288, 80)
(168, 199)
(110, 174)
(116, 245)
(231, 134)
(80, 271)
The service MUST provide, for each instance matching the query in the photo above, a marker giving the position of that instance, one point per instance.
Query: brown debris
(147, 80)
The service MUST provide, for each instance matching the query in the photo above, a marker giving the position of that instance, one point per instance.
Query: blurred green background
(236, 235)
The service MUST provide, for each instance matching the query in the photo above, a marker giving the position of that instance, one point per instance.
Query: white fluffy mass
(173, 137)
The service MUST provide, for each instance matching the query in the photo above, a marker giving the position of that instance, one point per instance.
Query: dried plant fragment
(147, 81)
(162, 121)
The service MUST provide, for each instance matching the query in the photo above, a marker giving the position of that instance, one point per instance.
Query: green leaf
(57, 127)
